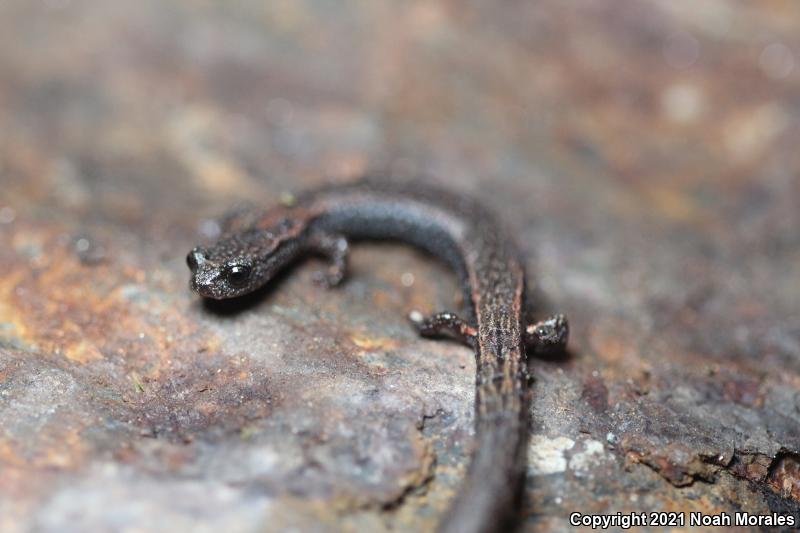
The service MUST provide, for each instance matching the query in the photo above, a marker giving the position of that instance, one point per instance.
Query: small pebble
(88, 250)
(210, 229)
(7, 215)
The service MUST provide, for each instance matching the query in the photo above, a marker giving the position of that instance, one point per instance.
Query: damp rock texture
(644, 154)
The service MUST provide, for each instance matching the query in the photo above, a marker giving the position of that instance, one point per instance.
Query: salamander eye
(238, 275)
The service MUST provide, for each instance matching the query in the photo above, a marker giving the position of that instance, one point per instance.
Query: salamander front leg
(548, 335)
(444, 324)
(336, 248)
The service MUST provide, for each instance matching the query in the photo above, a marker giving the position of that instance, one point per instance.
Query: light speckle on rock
(546, 455)
(593, 452)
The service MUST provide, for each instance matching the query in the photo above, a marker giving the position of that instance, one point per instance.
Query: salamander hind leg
(336, 248)
(548, 335)
(444, 324)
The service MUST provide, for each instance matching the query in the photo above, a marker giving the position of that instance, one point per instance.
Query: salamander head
(240, 263)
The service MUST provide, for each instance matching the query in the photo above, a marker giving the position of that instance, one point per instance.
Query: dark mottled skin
(454, 228)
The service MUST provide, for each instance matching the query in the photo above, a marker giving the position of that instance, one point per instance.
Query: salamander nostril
(195, 259)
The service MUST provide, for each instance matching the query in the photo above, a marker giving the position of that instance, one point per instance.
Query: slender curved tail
(493, 486)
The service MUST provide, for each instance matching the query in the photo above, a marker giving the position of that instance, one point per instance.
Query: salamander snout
(205, 276)
(196, 258)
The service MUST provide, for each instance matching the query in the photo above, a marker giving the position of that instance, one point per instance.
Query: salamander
(254, 247)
